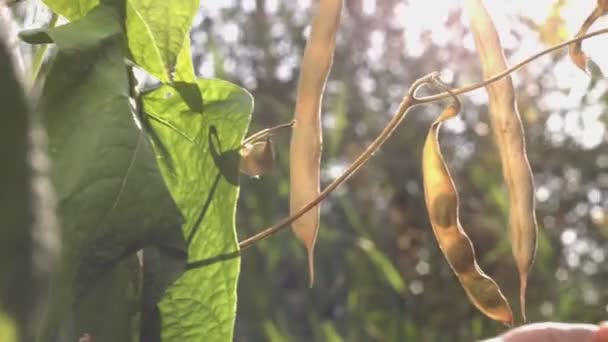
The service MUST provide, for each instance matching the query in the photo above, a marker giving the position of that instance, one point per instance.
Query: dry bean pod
(577, 55)
(509, 137)
(306, 139)
(441, 200)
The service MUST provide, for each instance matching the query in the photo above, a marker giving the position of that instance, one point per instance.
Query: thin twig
(409, 101)
(266, 132)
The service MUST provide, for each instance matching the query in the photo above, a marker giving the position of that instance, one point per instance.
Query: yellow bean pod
(441, 198)
(509, 137)
(306, 139)
(577, 55)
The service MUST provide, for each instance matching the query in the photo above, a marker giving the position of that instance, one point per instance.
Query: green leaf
(112, 198)
(35, 36)
(198, 154)
(184, 70)
(8, 328)
(72, 9)
(383, 264)
(81, 35)
(272, 332)
(156, 30)
(330, 334)
(114, 294)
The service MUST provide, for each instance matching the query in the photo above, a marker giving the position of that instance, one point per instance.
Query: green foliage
(198, 154)
(72, 9)
(184, 70)
(109, 310)
(8, 328)
(383, 265)
(112, 198)
(81, 36)
(156, 30)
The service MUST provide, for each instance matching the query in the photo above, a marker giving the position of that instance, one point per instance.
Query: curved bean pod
(441, 198)
(575, 51)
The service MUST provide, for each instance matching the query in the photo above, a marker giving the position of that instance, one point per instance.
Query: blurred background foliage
(380, 275)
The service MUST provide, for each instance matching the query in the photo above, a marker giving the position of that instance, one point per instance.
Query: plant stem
(266, 132)
(41, 52)
(409, 101)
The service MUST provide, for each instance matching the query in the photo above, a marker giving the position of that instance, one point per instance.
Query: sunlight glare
(584, 125)
(369, 7)
(248, 5)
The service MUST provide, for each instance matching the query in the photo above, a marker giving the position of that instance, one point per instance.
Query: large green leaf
(108, 310)
(112, 198)
(184, 69)
(81, 36)
(198, 153)
(156, 30)
(72, 9)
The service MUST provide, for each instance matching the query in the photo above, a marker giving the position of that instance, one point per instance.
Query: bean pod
(306, 139)
(577, 55)
(441, 198)
(509, 137)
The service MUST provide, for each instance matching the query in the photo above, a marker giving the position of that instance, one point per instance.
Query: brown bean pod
(509, 136)
(575, 51)
(306, 139)
(441, 198)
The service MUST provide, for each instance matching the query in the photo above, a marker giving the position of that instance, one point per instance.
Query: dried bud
(257, 158)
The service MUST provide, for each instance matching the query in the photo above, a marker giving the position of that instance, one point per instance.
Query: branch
(266, 132)
(409, 101)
